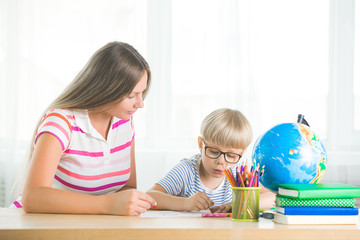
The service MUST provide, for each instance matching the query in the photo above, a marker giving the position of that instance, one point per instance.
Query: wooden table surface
(15, 224)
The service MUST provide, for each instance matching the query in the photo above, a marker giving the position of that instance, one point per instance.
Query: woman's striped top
(184, 181)
(89, 163)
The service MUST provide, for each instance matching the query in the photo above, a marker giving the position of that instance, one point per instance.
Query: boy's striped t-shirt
(184, 181)
(89, 163)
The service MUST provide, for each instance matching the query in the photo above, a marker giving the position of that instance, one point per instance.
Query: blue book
(317, 210)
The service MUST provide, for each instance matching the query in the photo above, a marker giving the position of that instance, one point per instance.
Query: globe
(290, 153)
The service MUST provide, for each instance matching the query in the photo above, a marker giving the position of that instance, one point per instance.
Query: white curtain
(271, 59)
(44, 44)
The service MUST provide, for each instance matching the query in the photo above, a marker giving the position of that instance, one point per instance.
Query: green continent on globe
(320, 170)
(314, 141)
(292, 153)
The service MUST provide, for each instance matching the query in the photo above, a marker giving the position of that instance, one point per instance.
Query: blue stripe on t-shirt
(184, 181)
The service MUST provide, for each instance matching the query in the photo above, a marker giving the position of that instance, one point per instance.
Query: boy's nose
(221, 159)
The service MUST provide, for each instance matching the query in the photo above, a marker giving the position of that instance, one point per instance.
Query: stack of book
(322, 203)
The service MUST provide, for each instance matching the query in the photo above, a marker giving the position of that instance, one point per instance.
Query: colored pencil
(229, 178)
(232, 176)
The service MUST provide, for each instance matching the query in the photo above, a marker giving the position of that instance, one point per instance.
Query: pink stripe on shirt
(84, 153)
(93, 189)
(17, 204)
(61, 142)
(121, 147)
(58, 126)
(118, 123)
(94, 177)
(96, 165)
(77, 129)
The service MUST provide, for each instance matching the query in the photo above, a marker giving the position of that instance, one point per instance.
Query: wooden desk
(15, 224)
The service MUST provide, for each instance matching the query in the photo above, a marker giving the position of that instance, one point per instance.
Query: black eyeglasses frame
(221, 152)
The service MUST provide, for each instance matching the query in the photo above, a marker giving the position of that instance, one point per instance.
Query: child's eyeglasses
(214, 153)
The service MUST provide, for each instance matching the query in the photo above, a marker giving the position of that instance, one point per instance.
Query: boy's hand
(221, 208)
(199, 201)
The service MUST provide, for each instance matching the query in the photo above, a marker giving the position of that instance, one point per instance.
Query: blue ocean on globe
(291, 153)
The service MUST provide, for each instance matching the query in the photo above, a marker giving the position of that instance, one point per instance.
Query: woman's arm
(198, 201)
(38, 196)
(132, 182)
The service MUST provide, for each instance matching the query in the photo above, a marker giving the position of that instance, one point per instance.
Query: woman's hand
(221, 208)
(199, 201)
(129, 202)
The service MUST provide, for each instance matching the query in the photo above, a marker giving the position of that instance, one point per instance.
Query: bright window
(357, 68)
(269, 59)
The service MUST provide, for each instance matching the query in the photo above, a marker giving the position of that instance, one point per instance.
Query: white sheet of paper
(172, 214)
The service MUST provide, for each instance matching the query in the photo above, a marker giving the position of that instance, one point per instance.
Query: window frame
(341, 133)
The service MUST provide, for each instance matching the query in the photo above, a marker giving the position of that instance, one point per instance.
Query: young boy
(199, 183)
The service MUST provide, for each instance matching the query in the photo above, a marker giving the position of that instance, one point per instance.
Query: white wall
(262, 57)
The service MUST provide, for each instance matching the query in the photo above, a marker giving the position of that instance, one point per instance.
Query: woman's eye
(131, 96)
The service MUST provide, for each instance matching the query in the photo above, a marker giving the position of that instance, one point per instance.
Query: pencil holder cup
(245, 203)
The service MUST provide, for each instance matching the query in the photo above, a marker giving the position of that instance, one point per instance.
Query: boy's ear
(200, 144)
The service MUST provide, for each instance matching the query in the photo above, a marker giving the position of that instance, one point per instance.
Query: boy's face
(214, 167)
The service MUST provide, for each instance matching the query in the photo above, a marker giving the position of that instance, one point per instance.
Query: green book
(319, 190)
(317, 202)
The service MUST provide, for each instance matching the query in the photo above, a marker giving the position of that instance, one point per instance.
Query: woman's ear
(200, 144)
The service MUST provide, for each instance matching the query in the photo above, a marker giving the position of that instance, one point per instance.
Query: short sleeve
(56, 122)
(178, 179)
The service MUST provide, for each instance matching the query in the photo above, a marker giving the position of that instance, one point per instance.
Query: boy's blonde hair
(228, 128)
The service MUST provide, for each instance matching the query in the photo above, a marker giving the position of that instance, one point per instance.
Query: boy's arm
(267, 198)
(199, 201)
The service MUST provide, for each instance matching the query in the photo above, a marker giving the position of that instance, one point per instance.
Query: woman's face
(127, 107)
